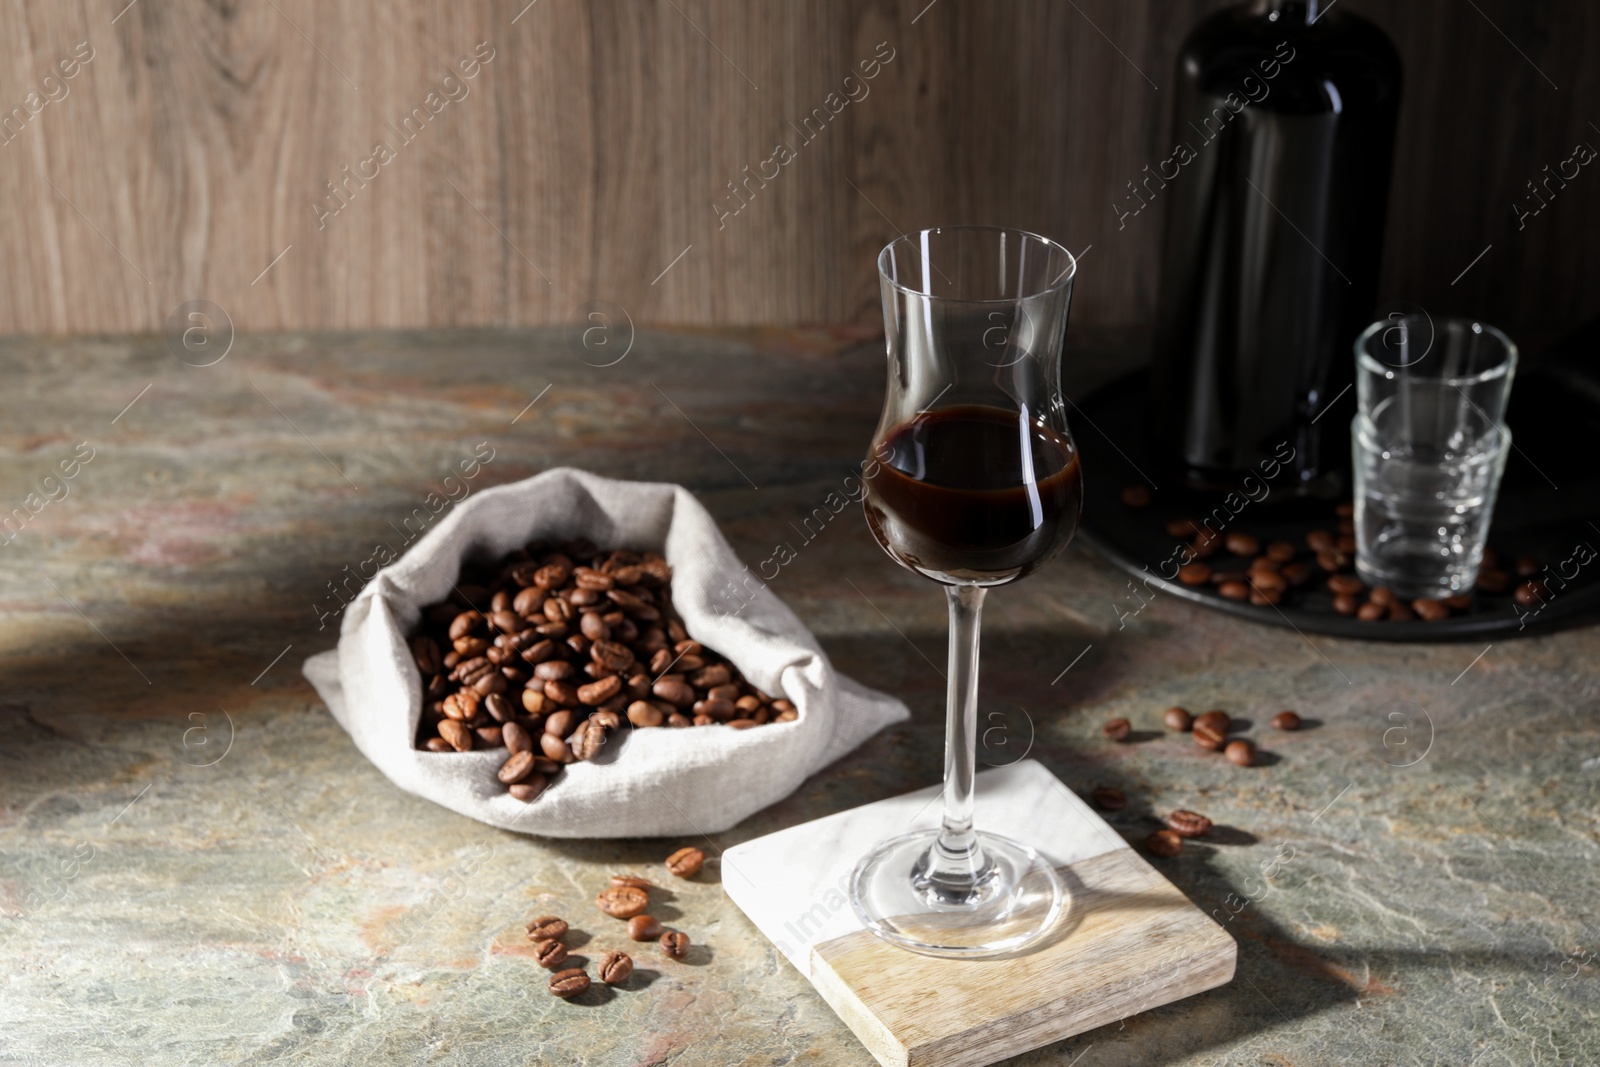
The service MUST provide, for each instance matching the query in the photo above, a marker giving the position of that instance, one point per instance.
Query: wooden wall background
(185, 156)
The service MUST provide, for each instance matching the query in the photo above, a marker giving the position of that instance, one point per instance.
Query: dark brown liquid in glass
(973, 493)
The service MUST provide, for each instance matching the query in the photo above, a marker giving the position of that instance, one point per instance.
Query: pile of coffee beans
(626, 897)
(547, 652)
(1236, 565)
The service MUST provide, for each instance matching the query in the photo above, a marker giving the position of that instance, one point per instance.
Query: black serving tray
(1549, 505)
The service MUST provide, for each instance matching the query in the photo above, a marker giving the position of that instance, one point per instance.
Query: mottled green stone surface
(197, 867)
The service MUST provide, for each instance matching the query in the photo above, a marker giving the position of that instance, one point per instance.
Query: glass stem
(957, 867)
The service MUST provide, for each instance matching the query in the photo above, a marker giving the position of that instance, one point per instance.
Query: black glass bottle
(1278, 182)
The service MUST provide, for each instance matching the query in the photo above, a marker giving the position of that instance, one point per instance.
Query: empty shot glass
(1429, 445)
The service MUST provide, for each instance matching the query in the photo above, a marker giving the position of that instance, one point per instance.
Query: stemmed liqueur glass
(972, 480)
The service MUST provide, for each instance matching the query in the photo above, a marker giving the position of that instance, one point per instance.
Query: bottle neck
(1295, 12)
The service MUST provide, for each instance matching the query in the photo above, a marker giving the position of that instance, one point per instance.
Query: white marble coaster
(1130, 940)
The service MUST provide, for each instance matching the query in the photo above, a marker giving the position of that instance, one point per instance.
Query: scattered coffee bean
(1187, 823)
(622, 901)
(550, 954)
(644, 928)
(1164, 843)
(1382, 596)
(1370, 612)
(1234, 590)
(1286, 720)
(1320, 540)
(1430, 610)
(1345, 544)
(1181, 528)
(1116, 729)
(632, 880)
(515, 769)
(1525, 567)
(1242, 544)
(1216, 719)
(1530, 593)
(1459, 602)
(615, 967)
(1281, 551)
(547, 928)
(1136, 496)
(686, 862)
(1262, 598)
(675, 944)
(1194, 574)
(1297, 574)
(1345, 604)
(457, 734)
(569, 983)
(1401, 612)
(1178, 719)
(1106, 798)
(1240, 752)
(1209, 737)
(1345, 583)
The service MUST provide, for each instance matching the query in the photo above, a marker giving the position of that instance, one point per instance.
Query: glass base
(1014, 901)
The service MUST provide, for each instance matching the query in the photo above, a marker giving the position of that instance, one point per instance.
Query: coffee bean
(1344, 510)
(674, 691)
(1216, 719)
(1320, 540)
(1194, 574)
(1430, 610)
(644, 713)
(1108, 799)
(1345, 583)
(1205, 545)
(1187, 823)
(550, 954)
(1240, 752)
(717, 674)
(1164, 843)
(675, 944)
(1530, 593)
(622, 901)
(1262, 598)
(1346, 544)
(1296, 574)
(1370, 612)
(686, 862)
(1242, 544)
(1178, 719)
(530, 787)
(555, 748)
(515, 769)
(1281, 551)
(554, 670)
(546, 927)
(596, 693)
(1399, 612)
(560, 723)
(1268, 582)
(425, 650)
(588, 741)
(1383, 596)
(1345, 604)
(615, 967)
(612, 655)
(1286, 720)
(1116, 729)
(457, 734)
(1135, 496)
(643, 928)
(1181, 528)
(464, 624)
(462, 705)
(488, 736)
(1209, 737)
(633, 880)
(1332, 561)
(569, 983)
(677, 720)
(1525, 567)
(539, 651)
(594, 627)
(516, 737)
(1234, 590)
(1459, 602)
(438, 744)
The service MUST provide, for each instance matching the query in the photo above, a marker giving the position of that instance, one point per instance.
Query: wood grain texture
(1131, 941)
(595, 147)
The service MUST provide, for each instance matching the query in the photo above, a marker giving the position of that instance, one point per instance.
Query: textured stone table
(197, 867)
